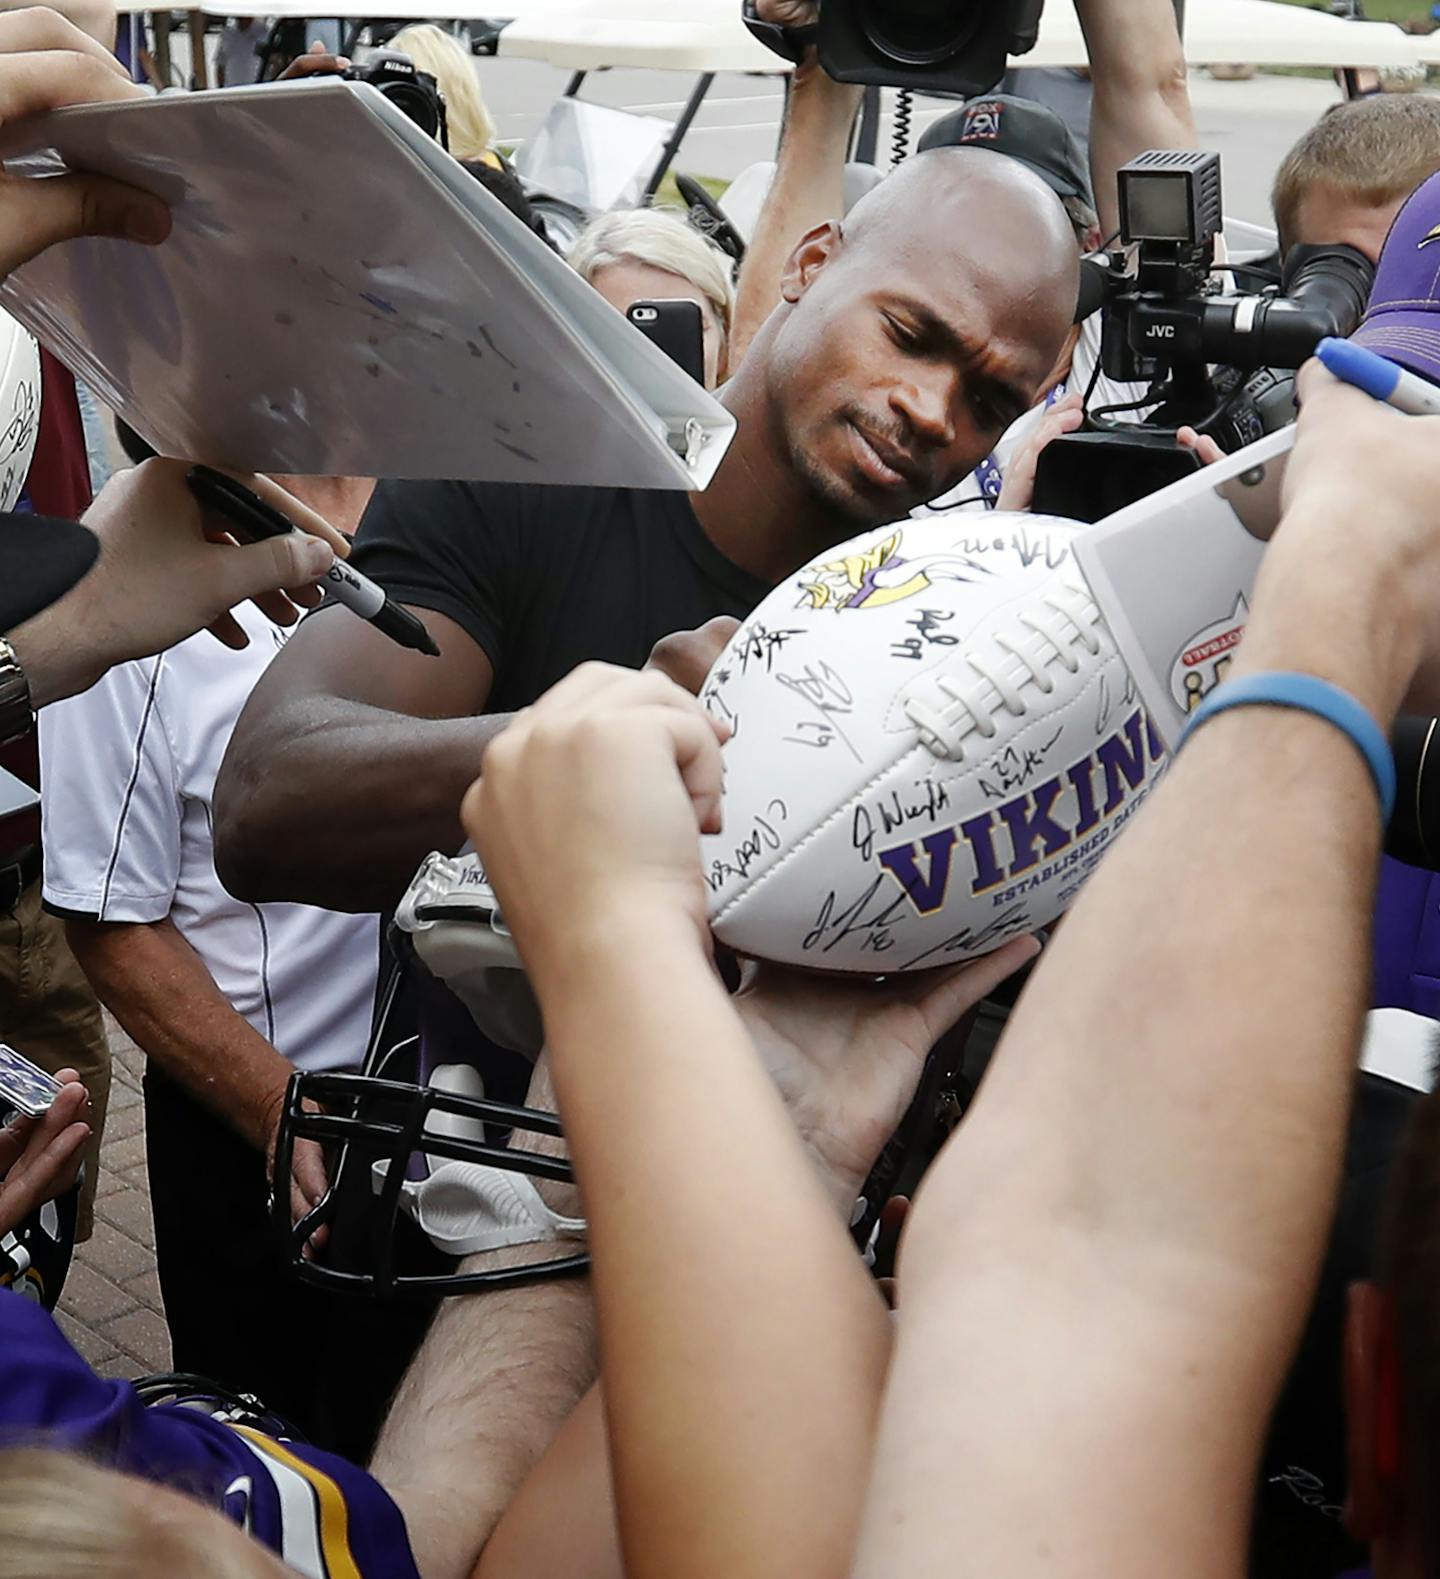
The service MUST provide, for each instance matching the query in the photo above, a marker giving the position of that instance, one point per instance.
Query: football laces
(948, 708)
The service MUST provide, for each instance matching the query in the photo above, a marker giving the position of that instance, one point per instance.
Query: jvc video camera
(933, 46)
(416, 93)
(1219, 362)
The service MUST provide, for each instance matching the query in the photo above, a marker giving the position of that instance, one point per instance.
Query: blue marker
(1380, 377)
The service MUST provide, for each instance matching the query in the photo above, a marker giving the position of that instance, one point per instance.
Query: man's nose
(928, 406)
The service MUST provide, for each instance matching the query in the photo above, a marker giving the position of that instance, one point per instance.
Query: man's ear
(1372, 1412)
(817, 248)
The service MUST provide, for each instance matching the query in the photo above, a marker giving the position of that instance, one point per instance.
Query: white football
(19, 407)
(935, 740)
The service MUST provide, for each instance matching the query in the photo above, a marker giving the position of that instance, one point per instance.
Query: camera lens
(414, 101)
(920, 32)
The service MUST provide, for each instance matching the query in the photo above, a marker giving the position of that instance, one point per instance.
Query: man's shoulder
(204, 677)
(511, 561)
(124, 689)
(515, 522)
(530, 502)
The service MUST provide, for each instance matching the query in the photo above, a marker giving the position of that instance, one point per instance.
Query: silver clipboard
(339, 296)
(1173, 575)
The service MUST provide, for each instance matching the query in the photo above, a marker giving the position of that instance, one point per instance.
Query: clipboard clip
(687, 442)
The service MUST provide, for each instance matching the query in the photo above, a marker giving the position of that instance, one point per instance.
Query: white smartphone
(23, 1085)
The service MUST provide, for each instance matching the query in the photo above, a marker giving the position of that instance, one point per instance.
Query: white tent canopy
(707, 35)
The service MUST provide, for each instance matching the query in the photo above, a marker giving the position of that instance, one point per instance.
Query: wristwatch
(17, 717)
(789, 43)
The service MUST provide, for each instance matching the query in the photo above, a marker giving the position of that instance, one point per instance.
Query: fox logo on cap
(982, 122)
(1433, 234)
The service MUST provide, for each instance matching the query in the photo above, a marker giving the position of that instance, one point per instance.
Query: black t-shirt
(546, 578)
(543, 579)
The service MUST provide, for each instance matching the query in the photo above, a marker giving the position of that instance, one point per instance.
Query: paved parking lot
(110, 1309)
(1250, 124)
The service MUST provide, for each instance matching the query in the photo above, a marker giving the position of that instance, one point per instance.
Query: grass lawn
(1387, 10)
(1399, 11)
(669, 194)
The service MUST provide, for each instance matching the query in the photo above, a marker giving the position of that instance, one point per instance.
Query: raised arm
(1106, 1271)
(635, 914)
(95, 18)
(846, 1059)
(742, 1344)
(1141, 98)
(808, 188)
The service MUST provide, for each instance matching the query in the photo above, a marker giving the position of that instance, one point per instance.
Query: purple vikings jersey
(317, 1512)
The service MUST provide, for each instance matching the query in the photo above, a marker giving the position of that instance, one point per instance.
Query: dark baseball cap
(40, 560)
(1030, 132)
(1403, 319)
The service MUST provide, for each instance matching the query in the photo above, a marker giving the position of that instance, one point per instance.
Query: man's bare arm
(493, 1382)
(1106, 1271)
(807, 190)
(1142, 95)
(158, 988)
(96, 18)
(743, 1345)
(349, 762)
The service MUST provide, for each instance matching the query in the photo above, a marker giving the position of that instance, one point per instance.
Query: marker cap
(1355, 365)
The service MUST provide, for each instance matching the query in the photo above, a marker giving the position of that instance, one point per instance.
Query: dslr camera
(932, 46)
(415, 93)
(1219, 361)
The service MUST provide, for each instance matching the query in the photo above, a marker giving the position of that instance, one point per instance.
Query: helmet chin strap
(465, 1207)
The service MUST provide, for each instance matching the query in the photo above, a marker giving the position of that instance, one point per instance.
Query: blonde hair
(62, 1517)
(660, 239)
(470, 124)
(1372, 151)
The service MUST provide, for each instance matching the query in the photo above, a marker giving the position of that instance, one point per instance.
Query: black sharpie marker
(253, 518)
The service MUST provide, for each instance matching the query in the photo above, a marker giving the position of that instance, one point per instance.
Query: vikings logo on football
(1069, 814)
(879, 576)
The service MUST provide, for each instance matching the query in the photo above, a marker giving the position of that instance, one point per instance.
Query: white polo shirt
(128, 770)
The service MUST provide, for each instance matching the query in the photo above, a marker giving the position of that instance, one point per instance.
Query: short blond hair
(1372, 151)
(470, 125)
(659, 238)
(63, 1517)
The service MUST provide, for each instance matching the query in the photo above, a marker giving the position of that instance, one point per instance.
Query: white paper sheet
(1173, 575)
(339, 296)
(15, 794)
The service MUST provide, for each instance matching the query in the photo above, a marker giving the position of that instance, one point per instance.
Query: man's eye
(987, 414)
(902, 333)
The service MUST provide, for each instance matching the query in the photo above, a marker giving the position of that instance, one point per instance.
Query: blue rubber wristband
(1307, 694)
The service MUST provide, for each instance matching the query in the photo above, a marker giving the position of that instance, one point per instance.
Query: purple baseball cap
(1403, 319)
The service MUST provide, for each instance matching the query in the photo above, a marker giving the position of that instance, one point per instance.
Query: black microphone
(1414, 832)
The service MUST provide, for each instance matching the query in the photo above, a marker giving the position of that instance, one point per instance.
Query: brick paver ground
(110, 1308)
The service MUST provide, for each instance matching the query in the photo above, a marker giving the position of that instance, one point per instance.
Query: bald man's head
(944, 189)
(915, 333)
